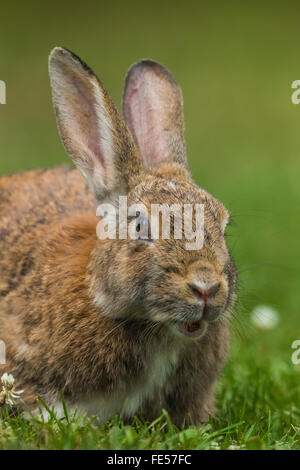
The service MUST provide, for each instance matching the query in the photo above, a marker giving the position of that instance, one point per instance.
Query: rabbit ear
(153, 111)
(93, 133)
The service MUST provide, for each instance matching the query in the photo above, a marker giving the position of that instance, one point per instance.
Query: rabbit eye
(143, 228)
(141, 225)
(142, 222)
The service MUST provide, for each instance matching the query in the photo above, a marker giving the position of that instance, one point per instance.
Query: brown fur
(53, 266)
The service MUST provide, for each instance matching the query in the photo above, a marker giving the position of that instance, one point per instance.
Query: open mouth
(192, 329)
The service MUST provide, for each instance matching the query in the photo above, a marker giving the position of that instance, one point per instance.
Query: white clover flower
(233, 447)
(8, 394)
(214, 445)
(265, 317)
(7, 380)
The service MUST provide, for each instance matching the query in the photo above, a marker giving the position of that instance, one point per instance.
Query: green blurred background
(235, 62)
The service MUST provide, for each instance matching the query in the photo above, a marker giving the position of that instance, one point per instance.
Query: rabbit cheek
(122, 290)
(101, 299)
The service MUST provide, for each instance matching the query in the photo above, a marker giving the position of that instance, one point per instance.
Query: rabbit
(124, 327)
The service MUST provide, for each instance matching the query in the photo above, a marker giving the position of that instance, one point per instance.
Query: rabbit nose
(205, 292)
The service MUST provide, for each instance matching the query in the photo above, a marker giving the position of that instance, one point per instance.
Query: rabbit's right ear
(93, 133)
(153, 111)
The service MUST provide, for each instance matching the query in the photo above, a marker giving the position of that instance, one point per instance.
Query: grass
(235, 62)
(258, 409)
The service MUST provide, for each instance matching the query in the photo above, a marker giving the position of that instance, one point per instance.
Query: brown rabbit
(117, 325)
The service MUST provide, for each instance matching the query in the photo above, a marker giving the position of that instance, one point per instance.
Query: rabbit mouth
(192, 329)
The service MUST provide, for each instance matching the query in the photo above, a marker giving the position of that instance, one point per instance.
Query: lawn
(258, 409)
(236, 62)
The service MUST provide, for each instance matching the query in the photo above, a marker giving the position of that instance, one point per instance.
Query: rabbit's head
(176, 280)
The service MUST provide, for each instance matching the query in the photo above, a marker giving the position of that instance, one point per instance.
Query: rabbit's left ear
(93, 133)
(153, 111)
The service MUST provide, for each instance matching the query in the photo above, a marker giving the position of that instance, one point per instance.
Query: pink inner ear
(147, 119)
(83, 131)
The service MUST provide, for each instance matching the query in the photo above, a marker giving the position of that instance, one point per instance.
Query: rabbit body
(94, 319)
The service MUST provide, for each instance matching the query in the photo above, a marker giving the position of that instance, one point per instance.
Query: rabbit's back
(30, 203)
(44, 193)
